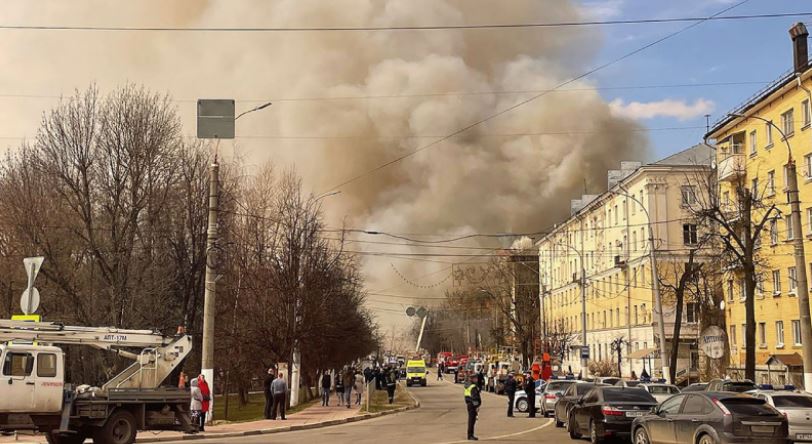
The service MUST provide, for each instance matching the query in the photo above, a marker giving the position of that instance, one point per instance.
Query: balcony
(731, 167)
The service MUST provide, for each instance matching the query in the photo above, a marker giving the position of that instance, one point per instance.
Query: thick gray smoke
(378, 95)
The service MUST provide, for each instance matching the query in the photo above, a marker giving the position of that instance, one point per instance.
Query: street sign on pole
(712, 340)
(215, 118)
(29, 302)
(584, 352)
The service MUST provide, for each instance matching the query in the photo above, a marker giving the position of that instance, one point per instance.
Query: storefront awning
(644, 353)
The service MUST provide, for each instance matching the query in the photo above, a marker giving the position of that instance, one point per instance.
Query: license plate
(804, 436)
(634, 414)
(762, 429)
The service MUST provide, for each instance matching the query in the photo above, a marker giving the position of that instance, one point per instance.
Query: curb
(293, 428)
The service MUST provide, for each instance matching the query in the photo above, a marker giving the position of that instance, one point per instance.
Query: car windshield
(793, 401)
(739, 387)
(632, 383)
(662, 390)
(627, 395)
(749, 406)
(416, 370)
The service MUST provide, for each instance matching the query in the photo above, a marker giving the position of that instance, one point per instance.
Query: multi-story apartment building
(753, 154)
(607, 235)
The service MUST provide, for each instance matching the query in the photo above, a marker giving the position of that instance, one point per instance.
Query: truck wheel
(119, 429)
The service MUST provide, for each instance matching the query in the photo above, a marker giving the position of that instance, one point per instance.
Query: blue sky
(717, 51)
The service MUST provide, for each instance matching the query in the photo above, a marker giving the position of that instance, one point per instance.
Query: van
(416, 373)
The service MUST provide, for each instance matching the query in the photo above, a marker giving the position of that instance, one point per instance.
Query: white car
(552, 392)
(796, 406)
(660, 392)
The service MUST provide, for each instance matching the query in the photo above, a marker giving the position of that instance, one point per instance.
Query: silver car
(796, 406)
(552, 392)
(660, 392)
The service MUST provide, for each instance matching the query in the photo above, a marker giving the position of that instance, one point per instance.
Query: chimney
(800, 51)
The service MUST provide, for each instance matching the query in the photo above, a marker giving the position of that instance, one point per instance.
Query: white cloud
(601, 10)
(679, 109)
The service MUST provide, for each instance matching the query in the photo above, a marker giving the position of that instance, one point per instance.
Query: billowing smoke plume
(377, 96)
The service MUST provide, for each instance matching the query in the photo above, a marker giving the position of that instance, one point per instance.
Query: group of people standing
(511, 386)
(344, 382)
(200, 394)
(276, 394)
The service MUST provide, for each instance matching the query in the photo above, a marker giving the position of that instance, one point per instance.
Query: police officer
(472, 401)
(510, 391)
(530, 389)
(391, 382)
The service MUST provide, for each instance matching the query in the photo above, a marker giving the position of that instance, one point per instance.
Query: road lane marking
(510, 435)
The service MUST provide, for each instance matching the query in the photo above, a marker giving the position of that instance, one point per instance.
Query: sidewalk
(312, 417)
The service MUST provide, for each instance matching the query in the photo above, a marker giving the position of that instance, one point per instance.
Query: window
(616, 215)
(760, 283)
(770, 183)
(744, 335)
(636, 318)
(796, 332)
(773, 232)
(788, 122)
(692, 312)
(689, 234)
(753, 148)
(762, 334)
(697, 405)
(730, 290)
(688, 195)
(46, 365)
(18, 364)
(610, 215)
(617, 316)
(807, 115)
(754, 187)
(643, 312)
(634, 235)
(671, 405)
(768, 129)
(809, 221)
(776, 282)
(732, 335)
(793, 282)
(779, 333)
(726, 198)
(790, 230)
(807, 172)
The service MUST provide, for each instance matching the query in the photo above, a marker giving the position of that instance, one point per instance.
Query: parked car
(711, 418)
(520, 400)
(796, 406)
(696, 387)
(568, 400)
(552, 391)
(628, 383)
(610, 380)
(660, 392)
(730, 385)
(608, 412)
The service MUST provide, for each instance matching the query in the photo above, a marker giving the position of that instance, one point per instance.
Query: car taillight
(721, 407)
(549, 396)
(608, 410)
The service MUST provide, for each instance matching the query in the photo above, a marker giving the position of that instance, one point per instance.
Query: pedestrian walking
(326, 383)
(206, 392)
(196, 405)
(340, 388)
(349, 381)
(391, 383)
(473, 401)
(279, 389)
(530, 390)
(440, 367)
(510, 391)
(360, 381)
(266, 387)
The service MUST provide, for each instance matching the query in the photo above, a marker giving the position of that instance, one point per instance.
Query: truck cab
(32, 378)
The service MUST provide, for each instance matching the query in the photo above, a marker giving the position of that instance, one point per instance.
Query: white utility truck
(35, 396)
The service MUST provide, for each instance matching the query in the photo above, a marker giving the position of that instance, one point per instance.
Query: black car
(606, 412)
(568, 400)
(730, 385)
(711, 418)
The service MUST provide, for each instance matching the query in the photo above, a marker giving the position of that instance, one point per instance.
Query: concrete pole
(658, 302)
(420, 336)
(800, 272)
(207, 361)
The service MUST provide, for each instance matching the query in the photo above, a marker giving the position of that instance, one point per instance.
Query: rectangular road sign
(584, 352)
(215, 119)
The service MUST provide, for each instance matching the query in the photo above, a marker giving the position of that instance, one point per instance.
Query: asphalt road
(441, 419)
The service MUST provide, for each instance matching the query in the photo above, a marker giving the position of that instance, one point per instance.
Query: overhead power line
(533, 98)
(495, 26)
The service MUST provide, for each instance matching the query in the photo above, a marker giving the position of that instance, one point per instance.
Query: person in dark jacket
(266, 385)
(530, 390)
(340, 388)
(326, 384)
(510, 391)
(473, 401)
(391, 383)
(279, 389)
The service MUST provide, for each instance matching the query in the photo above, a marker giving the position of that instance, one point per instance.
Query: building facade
(753, 154)
(605, 247)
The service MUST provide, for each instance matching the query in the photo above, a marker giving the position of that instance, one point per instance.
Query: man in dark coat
(266, 385)
(510, 391)
(530, 390)
(472, 402)
(326, 384)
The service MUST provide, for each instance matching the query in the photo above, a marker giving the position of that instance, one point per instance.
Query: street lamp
(798, 244)
(655, 283)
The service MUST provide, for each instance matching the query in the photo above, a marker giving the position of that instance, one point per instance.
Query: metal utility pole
(801, 284)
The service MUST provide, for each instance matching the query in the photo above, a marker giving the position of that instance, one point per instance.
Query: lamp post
(296, 361)
(655, 284)
(798, 244)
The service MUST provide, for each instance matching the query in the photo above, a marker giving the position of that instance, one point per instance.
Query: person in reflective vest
(472, 401)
